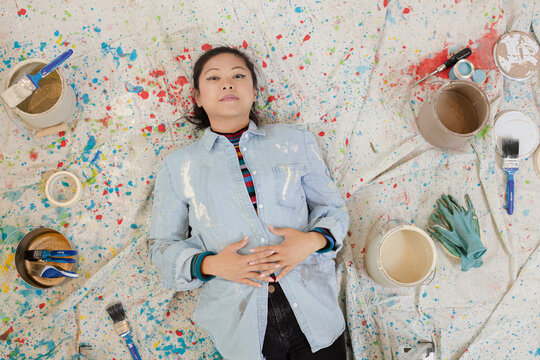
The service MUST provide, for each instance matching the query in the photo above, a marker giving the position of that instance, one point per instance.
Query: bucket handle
(432, 277)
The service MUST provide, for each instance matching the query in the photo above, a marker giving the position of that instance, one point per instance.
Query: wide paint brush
(118, 316)
(510, 153)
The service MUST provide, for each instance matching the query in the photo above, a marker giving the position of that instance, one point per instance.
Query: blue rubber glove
(458, 230)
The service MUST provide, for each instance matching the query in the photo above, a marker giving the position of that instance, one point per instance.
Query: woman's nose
(227, 84)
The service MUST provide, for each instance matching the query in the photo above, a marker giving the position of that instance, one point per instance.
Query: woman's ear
(196, 97)
(255, 94)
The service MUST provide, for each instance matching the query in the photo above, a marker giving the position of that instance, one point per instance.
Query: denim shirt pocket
(288, 184)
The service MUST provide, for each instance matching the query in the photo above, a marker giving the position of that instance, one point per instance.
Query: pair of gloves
(457, 229)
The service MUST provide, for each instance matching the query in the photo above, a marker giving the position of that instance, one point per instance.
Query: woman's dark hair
(198, 116)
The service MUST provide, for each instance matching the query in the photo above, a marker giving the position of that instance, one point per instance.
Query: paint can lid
(479, 76)
(517, 55)
(517, 125)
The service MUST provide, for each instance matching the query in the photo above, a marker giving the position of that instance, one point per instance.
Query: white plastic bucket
(54, 104)
(400, 255)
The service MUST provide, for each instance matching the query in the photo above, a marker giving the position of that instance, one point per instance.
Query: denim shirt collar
(209, 138)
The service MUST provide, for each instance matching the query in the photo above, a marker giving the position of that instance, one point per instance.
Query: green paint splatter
(482, 134)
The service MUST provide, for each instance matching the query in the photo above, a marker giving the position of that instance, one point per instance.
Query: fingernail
(251, 263)
(276, 266)
(272, 252)
(251, 250)
(263, 276)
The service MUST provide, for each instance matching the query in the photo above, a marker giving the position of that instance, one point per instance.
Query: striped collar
(209, 138)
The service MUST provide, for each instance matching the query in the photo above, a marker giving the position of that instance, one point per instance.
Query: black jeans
(284, 339)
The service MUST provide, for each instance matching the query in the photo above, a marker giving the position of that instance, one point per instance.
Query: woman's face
(226, 92)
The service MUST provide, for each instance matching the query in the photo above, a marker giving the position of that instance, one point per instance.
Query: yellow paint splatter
(5, 287)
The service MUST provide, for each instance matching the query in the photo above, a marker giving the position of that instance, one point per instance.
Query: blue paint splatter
(85, 98)
(90, 144)
(13, 195)
(298, 10)
(526, 212)
(42, 46)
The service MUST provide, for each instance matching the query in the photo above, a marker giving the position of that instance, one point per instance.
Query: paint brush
(23, 88)
(462, 54)
(510, 153)
(118, 316)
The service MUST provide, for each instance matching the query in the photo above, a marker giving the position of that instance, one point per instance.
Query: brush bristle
(510, 148)
(116, 312)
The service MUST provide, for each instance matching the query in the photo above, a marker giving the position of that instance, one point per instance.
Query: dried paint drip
(517, 55)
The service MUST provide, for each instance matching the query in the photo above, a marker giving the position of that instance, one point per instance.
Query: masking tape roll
(52, 181)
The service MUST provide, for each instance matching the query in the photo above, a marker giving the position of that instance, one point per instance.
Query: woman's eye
(239, 76)
(211, 78)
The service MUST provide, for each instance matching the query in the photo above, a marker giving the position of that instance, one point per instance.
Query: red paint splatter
(301, 67)
(42, 305)
(363, 251)
(63, 143)
(179, 333)
(279, 37)
(21, 12)
(348, 195)
(245, 44)
(152, 116)
(406, 10)
(105, 120)
(99, 217)
(161, 128)
(395, 186)
(108, 108)
(144, 94)
(60, 164)
(264, 64)
(5, 335)
(206, 47)
(157, 73)
(120, 221)
(321, 133)
(297, 114)
(385, 3)
(271, 98)
(33, 156)
(182, 80)
(307, 37)
(62, 133)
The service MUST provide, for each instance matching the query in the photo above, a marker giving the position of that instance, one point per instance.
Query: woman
(243, 203)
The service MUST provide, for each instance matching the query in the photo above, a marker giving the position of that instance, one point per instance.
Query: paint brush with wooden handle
(462, 54)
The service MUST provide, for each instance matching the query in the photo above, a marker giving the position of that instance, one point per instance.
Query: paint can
(41, 239)
(51, 104)
(462, 70)
(537, 162)
(457, 112)
(517, 55)
(517, 125)
(400, 255)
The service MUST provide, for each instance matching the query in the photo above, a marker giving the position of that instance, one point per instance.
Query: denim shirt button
(244, 148)
(295, 305)
(260, 206)
(262, 240)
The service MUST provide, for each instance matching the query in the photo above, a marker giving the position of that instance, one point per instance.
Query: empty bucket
(51, 104)
(400, 255)
(458, 111)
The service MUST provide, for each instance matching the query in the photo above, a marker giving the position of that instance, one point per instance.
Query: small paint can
(457, 112)
(41, 239)
(51, 104)
(517, 55)
(479, 77)
(400, 255)
(517, 125)
(462, 70)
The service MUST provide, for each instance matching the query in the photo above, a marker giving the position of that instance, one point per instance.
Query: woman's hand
(230, 265)
(294, 249)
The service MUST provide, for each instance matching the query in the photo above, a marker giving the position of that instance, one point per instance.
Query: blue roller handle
(59, 253)
(510, 192)
(50, 67)
(132, 348)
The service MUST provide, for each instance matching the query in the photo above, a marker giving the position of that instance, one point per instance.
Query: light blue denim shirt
(201, 186)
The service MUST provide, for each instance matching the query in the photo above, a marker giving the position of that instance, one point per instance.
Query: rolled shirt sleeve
(326, 206)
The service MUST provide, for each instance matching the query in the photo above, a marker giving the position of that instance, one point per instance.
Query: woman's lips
(229, 98)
